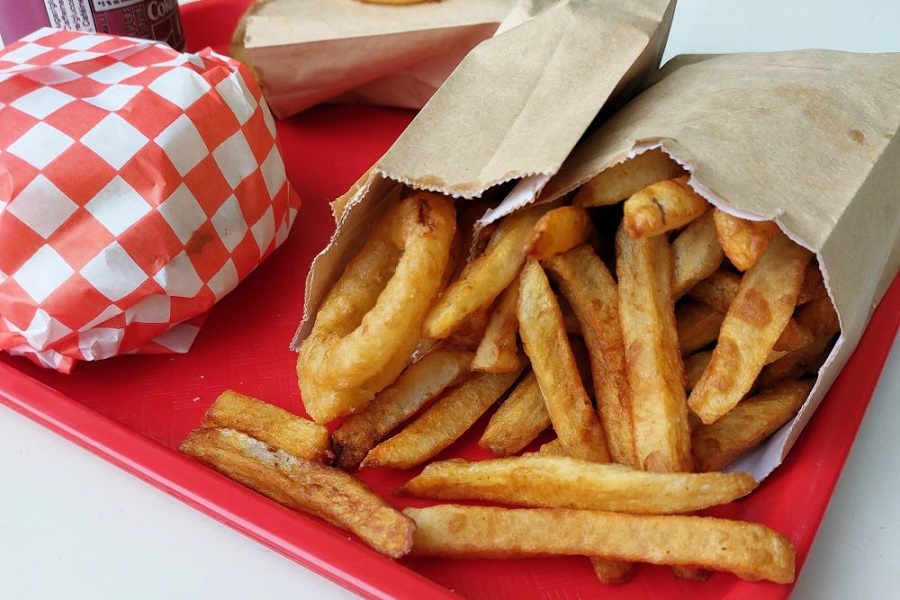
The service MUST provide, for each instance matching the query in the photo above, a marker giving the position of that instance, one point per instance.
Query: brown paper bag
(808, 139)
(305, 52)
(514, 109)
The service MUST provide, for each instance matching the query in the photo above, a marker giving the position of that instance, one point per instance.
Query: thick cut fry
(559, 230)
(717, 291)
(746, 425)
(696, 254)
(442, 423)
(743, 240)
(694, 365)
(483, 279)
(698, 326)
(537, 480)
(417, 385)
(662, 207)
(498, 350)
(270, 424)
(793, 337)
(652, 357)
(589, 287)
(518, 421)
(754, 322)
(304, 485)
(748, 550)
(544, 337)
(620, 181)
(553, 448)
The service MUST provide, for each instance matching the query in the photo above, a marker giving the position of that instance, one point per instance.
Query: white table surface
(73, 526)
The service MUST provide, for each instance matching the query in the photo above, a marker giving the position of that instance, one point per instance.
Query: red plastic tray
(134, 410)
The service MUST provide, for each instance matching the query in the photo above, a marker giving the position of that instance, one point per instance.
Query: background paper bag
(806, 138)
(514, 108)
(305, 52)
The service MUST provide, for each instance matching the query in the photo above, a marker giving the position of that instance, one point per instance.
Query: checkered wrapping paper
(138, 186)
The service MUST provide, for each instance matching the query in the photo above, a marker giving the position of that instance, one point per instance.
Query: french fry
(717, 291)
(544, 337)
(483, 279)
(559, 230)
(622, 180)
(417, 385)
(537, 480)
(754, 322)
(698, 326)
(749, 550)
(754, 419)
(662, 207)
(694, 365)
(793, 337)
(652, 356)
(696, 254)
(743, 240)
(498, 350)
(518, 421)
(270, 424)
(553, 447)
(442, 423)
(589, 287)
(304, 485)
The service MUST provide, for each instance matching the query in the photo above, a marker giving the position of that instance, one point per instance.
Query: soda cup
(151, 19)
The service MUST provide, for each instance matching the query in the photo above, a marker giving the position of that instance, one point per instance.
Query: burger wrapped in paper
(138, 186)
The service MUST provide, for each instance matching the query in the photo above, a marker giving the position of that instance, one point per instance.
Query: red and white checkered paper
(138, 186)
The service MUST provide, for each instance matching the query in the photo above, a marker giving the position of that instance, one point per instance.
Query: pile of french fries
(629, 342)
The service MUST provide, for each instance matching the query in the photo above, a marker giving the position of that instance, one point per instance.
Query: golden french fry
(559, 230)
(745, 426)
(717, 291)
(417, 385)
(749, 550)
(544, 337)
(553, 448)
(652, 356)
(541, 480)
(743, 240)
(442, 423)
(694, 365)
(696, 254)
(698, 326)
(754, 322)
(793, 337)
(498, 350)
(270, 424)
(662, 207)
(518, 421)
(483, 279)
(622, 180)
(586, 283)
(304, 485)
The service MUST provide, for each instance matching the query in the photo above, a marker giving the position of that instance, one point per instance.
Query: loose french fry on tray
(661, 207)
(696, 254)
(270, 424)
(719, 444)
(519, 420)
(742, 240)
(417, 385)
(540, 480)
(748, 550)
(754, 322)
(620, 181)
(543, 334)
(308, 486)
(442, 423)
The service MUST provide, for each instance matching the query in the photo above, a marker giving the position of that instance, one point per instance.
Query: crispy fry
(698, 326)
(416, 386)
(498, 350)
(754, 322)
(442, 423)
(304, 485)
(749, 550)
(270, 424)
(620, 181)
(717, 291)
(745, 426)
(544, 337)
(696, 254)
(793, 337)
(518, 421)
(661, 207)
(694, 365)
(559, 230)
(538, 480)
(652, 357)
(589, 287)
(553, 448)
(743, 240)
(483, 279)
